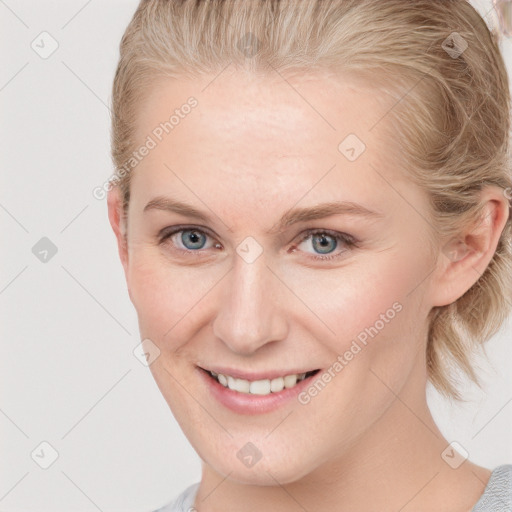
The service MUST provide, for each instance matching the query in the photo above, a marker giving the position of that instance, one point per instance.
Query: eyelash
(346, 239)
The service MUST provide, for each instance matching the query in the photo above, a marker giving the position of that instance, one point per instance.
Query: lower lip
(246, 403)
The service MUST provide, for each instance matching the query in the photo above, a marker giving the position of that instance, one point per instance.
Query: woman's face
(238, 293)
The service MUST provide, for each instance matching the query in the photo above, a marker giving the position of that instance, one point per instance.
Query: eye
(191, 240)
(326, 241)
(185, 239)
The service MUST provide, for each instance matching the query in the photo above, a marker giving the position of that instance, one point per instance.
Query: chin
(266, 471)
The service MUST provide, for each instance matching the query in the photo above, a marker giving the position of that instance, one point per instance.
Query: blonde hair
(451, 118)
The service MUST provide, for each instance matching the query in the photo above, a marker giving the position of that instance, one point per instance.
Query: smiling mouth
(260, 387)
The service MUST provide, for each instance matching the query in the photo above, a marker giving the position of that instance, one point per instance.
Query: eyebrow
(292, 216)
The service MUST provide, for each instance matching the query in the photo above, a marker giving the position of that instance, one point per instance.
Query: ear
(465, 259)
(117, 220)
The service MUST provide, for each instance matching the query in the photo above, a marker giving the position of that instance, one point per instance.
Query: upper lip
(255, 375)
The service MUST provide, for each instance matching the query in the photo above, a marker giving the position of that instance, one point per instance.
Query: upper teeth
(259, 387)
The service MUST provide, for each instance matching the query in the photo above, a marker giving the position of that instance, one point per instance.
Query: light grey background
(68, 375)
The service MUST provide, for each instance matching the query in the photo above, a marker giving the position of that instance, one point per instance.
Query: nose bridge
(248, 316)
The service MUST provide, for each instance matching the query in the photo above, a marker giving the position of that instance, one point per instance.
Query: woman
(312, 212)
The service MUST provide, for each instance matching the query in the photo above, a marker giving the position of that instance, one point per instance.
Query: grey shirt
(497, 496)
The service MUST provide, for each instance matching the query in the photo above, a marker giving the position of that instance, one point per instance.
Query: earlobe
(118, 222)
(464, 259)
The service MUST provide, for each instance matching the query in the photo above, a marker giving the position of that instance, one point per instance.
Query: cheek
(374, 311)
(167, 298)
(357, 296)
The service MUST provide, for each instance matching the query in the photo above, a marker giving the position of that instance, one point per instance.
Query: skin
(252, 149)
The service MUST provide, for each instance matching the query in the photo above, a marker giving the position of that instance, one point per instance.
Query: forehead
(266, 135)
(282, 114)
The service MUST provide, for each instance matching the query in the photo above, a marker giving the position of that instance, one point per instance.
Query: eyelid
(335, 234)
(170, 230)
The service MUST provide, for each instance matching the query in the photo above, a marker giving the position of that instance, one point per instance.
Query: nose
(250, 313)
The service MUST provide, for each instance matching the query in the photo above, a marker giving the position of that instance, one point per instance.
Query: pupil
(193, 237)
(324, 240)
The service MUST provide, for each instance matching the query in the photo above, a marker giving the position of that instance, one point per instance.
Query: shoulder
(497, 496)
(184, 502)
